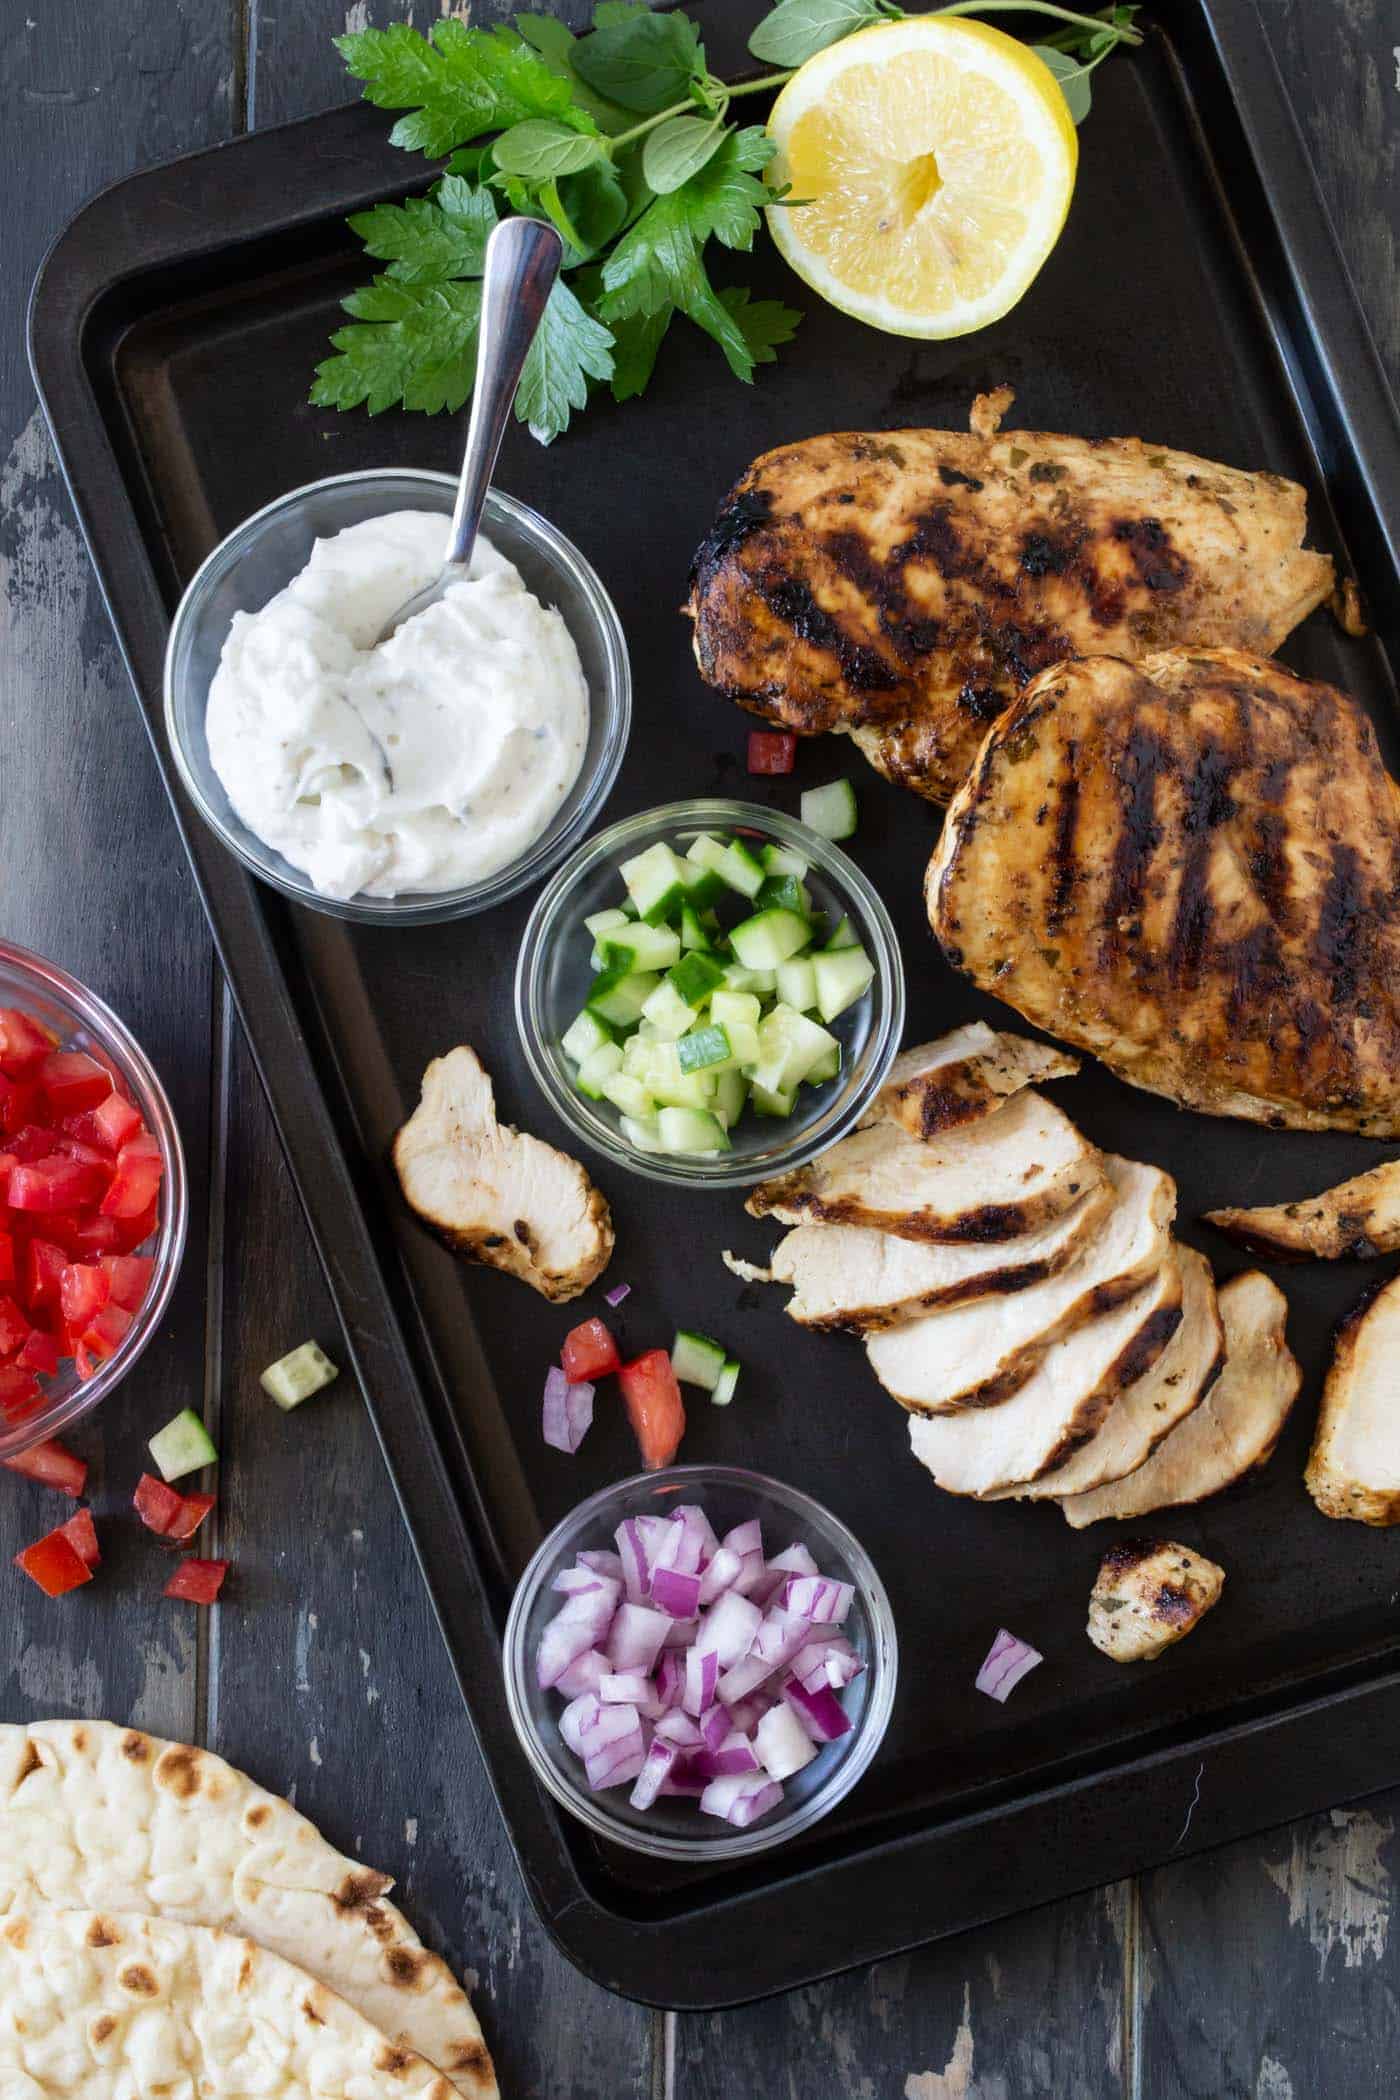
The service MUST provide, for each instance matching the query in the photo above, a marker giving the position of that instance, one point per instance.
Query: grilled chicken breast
(1150, 1593)
(964, 1076)
(1357, 1219)
(1189, 867)
(1354, 1465)
(903, 586)
(497, 1195)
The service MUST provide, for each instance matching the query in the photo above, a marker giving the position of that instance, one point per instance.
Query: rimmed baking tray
(1196, 299)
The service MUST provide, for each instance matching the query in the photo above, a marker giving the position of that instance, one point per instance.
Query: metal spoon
(522, 262)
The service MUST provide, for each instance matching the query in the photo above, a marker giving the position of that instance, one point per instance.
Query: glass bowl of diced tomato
(92, 1200)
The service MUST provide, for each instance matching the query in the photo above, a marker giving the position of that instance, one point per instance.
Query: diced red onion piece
(575, 1714)
(741, 1801)
(701, 1676)
(635, 1637)
(1009, 1659)
(618, 1292)
(678, 1728)
(603, 1563)
(782, 1743)
(777, 1640)
(656, 1770)
(670, 1677)
(747, 1713)
(679, 1548)
(617, 1762)
(684, 1779)
(714, 1725)
(793, 1560)
(698, 1525)
(655, 1531)
(568, 1411)
(636, 1569)
(625, 1688)
(683, 1632)
(578, 1582)
(582, 1675)
(745, 1539)
(819, 1598)
(583, 1621)
(676, 1594)
(734, 1755)
(725, 1564)
(821, 1712)
(729, 1629)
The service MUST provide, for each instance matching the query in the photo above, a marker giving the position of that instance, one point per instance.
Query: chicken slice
(991, 1180)
(848, 1276)
(982, 1450)
(494, 1194)
(1354, 1465)
(963, 1077)
(1151, 1409)
(1234, 1429)
(1357, 1219)
(1150, 1593)
(978, 1355)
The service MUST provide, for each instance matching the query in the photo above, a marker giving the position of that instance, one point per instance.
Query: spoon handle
(522, 262)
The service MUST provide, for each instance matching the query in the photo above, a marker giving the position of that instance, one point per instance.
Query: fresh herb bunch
(622, 138)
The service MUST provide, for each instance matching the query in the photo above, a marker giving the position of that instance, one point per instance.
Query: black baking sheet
(1196, 299)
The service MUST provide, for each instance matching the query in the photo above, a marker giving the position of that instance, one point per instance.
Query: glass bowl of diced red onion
(700, 1663)
(92, 1200)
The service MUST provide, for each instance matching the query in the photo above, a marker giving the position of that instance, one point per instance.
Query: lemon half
(939, 157)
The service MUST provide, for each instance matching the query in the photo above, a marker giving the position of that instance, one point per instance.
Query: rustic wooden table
(1266, 1970)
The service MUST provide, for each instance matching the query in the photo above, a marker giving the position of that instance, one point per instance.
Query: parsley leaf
(457, 84)
(654, 262)
(430, 238)
(414, 343)
(763, 323)
(636, 342)
(570, 349)
(643, 60)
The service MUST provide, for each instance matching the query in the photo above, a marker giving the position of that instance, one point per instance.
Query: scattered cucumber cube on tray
(297, 1375)
(716, 983)
(183, 1446)
(830, 810)
(696, 1360)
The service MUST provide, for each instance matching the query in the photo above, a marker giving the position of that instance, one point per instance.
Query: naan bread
(93, 1816)
(96, 2006)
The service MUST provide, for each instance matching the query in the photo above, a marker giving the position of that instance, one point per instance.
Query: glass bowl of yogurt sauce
(429, 778)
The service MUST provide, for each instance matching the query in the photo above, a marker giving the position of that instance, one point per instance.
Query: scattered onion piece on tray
(1008, 1661)
(568, 1411)
(618, 1292)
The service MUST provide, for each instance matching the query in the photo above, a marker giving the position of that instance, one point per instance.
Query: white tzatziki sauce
(428, 763)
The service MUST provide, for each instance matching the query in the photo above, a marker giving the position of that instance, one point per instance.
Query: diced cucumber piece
(695, 976)
(789, 1044)
(726, 1007)
(292, 1379)
(702, 1048)
(787, 893)
(702, 887)
(842, 976)
(741, 870)
(600, 1064)
(782, 860)
(693, 934)
(830, 810)
(769, 938)
(827, 1067)
(656, 882)
(600, 924)
(184, 1445)
(767, 1102)
(638, 946)
(731, 1092)
(696, 1360)
(797, 983)
(641, 1132)
(726, 1384)
(738, 979)
(670, 1087)
(706, 851)
(668, 1013)
(844, 936)
(628, 1095)
(618, 996)
(583, 1036)
(691, 1130)
(743, 1042)
(640, 1058)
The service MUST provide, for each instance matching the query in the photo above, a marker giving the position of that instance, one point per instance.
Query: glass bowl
(553, 974)
(82, 1022)
(263, 555)
(675, 1828)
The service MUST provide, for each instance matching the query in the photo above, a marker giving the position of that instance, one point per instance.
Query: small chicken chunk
(497, 1195)
(1150, 1593)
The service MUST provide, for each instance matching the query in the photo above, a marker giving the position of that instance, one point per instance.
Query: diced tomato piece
(55, 1563)
(82, 1360)
(23, 1043)
(133, 1232)
(654, 1406)
(71, 1081)
(19, 1103)
(7, 1260)
(81, 1534)
(39, 1352)
(128, 1278)
(69, 1147)
(190, 1515)
(106, 1331)
(58, 1184)
(14, 1328)
(772, 751)
(90, 1237)
(20, 1392)
(41, 1271)
(52, 1464)
(116, 1121)
(82, 1289)
(33, 1142)
(157, 1504)
(589, 1352)
(198, 1581)
(136, 1181)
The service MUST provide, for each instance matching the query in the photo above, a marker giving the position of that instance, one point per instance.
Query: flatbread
(97, 1817)
(96, 2006)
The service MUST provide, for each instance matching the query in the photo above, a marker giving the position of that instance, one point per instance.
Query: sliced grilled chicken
(1151, 1409)
(1150, 1593)
(991, 1180)
(494, 1194)
(982, 1450)
(903, 586)
(1357, 1219)
(1190, 868)
(846, 1276)
(977, 1355)
(1234, 1429)
(1354, 1465)
(963, 1077)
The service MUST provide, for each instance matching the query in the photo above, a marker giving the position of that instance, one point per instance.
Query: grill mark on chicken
(1158, 564)
(790, 600)
(1066, 819)
(1140, 836)
(1337, 947)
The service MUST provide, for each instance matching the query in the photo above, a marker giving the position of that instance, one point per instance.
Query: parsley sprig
(622, 137)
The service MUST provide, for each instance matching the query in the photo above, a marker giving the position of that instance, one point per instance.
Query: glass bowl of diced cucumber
(710, 993)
